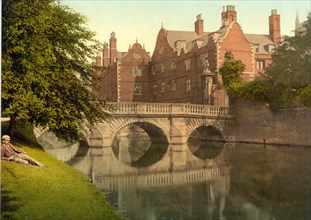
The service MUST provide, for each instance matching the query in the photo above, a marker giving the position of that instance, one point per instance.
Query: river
(197, 181)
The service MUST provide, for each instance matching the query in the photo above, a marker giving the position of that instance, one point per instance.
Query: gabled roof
(187, 36)
(121, 54)
(263, 41)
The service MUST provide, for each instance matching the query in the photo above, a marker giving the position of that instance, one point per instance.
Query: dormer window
(270, 48)
(197, 42)
(256, 47)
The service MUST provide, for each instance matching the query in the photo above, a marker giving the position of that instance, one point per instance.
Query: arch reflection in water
(206, 149)
(206, 142)
(132, 145)
(159, 192)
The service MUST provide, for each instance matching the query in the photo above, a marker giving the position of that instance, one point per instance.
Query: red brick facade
(176, 72)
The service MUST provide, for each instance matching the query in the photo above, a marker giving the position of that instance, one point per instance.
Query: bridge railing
(167, 108)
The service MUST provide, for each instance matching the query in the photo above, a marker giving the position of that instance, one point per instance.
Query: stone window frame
(174, 85)
(260, 64)
(155, 88)
(173, 64)
(162, 87)
(162, 68)
(187, 64)
(154, 69)
(202, 58)
(138, 88)
(188, 85)
(137, 72)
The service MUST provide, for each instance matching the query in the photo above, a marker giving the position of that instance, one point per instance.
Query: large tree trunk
(12, 125)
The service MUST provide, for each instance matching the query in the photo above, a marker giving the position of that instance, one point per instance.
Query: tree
(46, 73)
(290, 71)
(231, 75)
(287, 80)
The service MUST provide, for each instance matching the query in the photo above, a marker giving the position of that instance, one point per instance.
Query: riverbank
(56, 191)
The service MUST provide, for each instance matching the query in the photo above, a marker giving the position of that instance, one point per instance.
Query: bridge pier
(177, 131)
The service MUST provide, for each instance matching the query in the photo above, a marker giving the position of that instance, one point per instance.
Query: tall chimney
(113, 48)
(228, 16)
(98, 60)
(106, 55)
(198, 25)
(274, 26)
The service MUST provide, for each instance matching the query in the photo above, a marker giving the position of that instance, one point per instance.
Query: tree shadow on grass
(7, 205)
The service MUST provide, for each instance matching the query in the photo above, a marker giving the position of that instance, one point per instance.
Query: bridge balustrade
(167, 108)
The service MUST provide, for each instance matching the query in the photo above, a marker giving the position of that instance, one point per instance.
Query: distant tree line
(286, 83)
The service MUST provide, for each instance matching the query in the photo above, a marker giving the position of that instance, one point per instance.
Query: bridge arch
(157, 129)
(206, 129)
(171, 123)
(155, 133)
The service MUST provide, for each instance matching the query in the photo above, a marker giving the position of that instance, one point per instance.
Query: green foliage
(46, 73)
(290, 72)
(287, 80)
(231, 75)
(256, 90)
(304, 96)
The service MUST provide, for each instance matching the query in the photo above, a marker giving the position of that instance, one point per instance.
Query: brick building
(184, 67)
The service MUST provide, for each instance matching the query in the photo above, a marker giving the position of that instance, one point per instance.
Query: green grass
(54, 192)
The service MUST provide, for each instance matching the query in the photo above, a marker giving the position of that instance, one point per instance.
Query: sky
(141, 20)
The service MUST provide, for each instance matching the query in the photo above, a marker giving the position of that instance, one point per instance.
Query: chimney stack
(229, 15)
(113, 48)
(274, 26)
(198, 25)
(98, 60)
(105, 55)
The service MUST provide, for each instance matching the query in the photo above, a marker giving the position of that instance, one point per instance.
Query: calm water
(199, 181)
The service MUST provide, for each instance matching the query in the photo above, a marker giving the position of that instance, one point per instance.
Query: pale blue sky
(142, 19)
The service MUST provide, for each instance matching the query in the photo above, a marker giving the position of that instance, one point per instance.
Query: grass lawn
(54, 192)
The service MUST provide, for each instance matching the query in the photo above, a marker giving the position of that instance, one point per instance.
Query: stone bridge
(170, 123)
